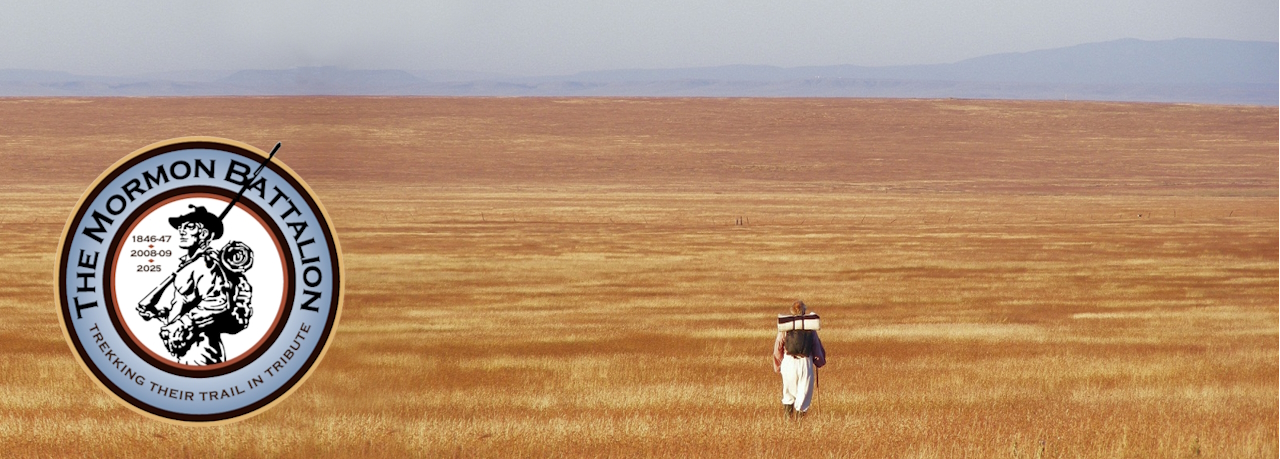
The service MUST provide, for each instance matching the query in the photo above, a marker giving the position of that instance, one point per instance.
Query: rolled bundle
(802, 322)
(236, 257)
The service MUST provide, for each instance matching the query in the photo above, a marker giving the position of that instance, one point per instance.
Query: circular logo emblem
(199, 280)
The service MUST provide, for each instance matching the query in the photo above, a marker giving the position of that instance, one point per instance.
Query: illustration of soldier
(210, 294)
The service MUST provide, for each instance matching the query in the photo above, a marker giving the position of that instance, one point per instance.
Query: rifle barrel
(249, 181)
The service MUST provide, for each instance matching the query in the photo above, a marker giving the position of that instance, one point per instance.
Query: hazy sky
(565, 36)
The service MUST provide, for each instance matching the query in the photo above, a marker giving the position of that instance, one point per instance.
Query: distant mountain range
(1181, 70)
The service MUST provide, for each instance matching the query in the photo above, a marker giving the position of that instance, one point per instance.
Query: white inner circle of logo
(154, 249)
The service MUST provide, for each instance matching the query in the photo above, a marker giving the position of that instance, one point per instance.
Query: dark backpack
(799, 342)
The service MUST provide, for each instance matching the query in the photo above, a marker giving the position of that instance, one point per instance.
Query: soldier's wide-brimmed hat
(201, 216)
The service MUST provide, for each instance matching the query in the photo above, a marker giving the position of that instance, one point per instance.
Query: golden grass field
(996, 279)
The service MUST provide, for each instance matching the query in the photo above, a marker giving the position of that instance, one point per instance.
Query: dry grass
(998, 279)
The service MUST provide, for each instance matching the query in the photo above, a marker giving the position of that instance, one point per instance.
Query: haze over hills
(1181, 70)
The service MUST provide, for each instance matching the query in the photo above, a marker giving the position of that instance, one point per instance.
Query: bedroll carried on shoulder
(801, 322)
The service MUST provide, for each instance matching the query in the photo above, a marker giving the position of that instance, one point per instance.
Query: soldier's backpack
(240, 312)
(235, 258)
(799, 342)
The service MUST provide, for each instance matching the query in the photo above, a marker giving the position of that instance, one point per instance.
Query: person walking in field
(797, 355)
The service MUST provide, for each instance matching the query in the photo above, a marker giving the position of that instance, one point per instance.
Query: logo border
(262, 405)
